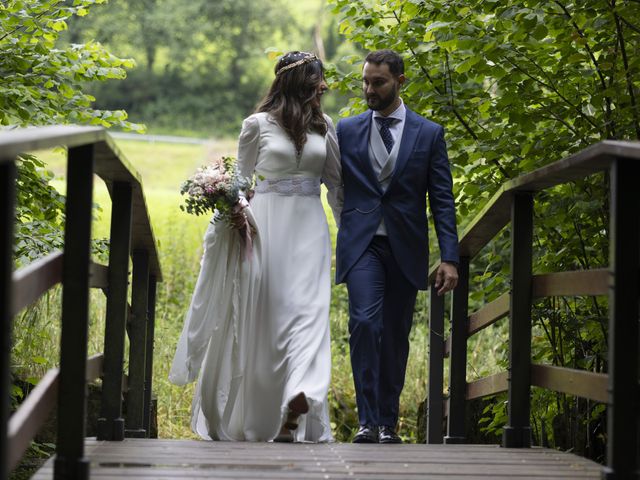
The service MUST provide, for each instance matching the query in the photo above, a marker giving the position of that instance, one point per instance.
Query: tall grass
(163, 167)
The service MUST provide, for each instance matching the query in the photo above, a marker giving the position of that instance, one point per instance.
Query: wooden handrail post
(70, 460)
(517, 432)
(148, 375)
(111, 423)
(91, 151)
(137, 345)
(7, 212)
(435, 396)
(623, 407)
(458, 357)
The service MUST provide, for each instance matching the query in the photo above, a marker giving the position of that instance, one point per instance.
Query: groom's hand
(446, 277)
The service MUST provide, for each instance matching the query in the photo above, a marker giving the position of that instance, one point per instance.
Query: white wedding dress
(257, 330)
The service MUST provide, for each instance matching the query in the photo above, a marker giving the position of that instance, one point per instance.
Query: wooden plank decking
(183, 459)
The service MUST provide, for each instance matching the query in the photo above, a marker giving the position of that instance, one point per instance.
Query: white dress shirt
(396, 127)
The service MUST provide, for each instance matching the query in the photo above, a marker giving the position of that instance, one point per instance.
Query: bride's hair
(290, 99)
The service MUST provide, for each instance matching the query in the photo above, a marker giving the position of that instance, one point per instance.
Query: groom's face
(381, 88)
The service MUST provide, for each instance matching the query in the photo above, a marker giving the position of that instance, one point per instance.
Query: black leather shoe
(366, 434)
(388, 435)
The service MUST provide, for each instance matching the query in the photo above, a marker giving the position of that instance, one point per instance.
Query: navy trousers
(381, 303)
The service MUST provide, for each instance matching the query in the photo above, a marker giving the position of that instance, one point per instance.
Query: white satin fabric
(257, 330)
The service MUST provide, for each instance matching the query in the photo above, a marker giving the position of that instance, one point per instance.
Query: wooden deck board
(182, 459)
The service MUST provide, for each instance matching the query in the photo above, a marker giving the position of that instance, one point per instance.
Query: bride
(256, 335)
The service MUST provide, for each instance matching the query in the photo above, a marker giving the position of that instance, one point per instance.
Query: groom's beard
(376, 102)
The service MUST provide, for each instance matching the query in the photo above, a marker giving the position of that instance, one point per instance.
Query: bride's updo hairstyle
(290, 99)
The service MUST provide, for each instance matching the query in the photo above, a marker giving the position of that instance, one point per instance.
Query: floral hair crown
(308, 57)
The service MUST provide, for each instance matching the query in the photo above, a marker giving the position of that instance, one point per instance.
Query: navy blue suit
(383, 273)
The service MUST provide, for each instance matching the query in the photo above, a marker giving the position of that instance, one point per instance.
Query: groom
(391, 159)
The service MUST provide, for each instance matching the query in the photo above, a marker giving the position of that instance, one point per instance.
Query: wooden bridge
(123, 449)
(172, 459)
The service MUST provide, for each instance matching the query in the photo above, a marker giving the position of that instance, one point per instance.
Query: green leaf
(59, 26)
(431, 28)
(467, 64)
(576, 58)
(39, 360)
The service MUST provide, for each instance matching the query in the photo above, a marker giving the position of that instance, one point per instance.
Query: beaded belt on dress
(302, 186)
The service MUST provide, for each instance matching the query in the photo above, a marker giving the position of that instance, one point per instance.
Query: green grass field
(163, 167)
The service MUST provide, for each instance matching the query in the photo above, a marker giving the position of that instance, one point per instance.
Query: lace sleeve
(332, 173)
(248, 146)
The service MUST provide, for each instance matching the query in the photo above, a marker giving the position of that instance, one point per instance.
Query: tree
(44, 84)
(206, 67)
(518, 85)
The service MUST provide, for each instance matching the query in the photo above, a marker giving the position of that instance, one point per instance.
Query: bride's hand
(239, 218)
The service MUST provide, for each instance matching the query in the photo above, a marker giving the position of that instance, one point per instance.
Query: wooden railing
(90, 151)
(513, 203)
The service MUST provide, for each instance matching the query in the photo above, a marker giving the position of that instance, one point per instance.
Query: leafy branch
(452, 106)
(553, 89)
(633, 27)
(608, 121)
(35, 18)
(627, 73)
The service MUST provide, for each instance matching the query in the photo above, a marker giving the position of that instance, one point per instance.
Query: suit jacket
(422, 168)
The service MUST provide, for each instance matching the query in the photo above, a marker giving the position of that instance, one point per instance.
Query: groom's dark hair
(391, 58)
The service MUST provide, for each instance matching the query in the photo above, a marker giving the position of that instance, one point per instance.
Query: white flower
(196, 191)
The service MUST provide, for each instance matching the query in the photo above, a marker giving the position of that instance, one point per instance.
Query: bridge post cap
(516, 437)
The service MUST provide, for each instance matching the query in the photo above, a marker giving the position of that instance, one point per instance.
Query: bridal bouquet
(215, 187)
